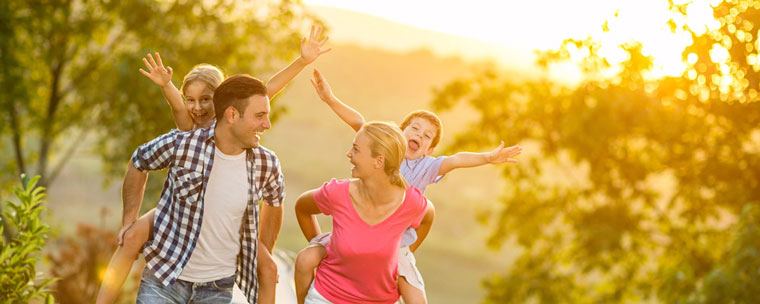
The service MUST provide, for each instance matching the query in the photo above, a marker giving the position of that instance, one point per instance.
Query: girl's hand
(157, 73)
(311, 48)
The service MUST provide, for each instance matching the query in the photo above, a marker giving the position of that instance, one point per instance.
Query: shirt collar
(211, 132)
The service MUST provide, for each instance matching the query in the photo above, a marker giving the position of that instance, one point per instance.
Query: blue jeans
(153, 292)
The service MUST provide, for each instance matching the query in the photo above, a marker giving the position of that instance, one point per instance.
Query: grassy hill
(311, 143)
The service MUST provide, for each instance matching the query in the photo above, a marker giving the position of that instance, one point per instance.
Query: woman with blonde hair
(193, 107)
(369, 213)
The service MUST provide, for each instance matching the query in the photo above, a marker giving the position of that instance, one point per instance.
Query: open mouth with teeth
(201, 117)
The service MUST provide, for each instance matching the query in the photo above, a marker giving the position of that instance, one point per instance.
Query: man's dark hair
(234, 91)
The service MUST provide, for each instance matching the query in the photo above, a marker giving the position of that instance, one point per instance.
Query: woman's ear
(379, 162)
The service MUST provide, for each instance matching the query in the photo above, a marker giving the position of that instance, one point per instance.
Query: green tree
(736, 276)
(630, 186)
(23, 236)
(70, 69)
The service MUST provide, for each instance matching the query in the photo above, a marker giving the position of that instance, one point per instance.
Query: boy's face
(419, 135)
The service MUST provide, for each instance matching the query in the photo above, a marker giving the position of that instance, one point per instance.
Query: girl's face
(200, 102)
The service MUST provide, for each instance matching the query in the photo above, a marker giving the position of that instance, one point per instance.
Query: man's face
(419, 136)
(200, 102)
(249, 126)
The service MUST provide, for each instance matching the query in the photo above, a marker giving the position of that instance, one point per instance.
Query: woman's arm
(306, 210)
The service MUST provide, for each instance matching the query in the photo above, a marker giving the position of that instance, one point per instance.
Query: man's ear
(231, 115)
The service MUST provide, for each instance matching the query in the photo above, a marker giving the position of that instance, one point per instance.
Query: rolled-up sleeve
(156, 154)
(274, 188)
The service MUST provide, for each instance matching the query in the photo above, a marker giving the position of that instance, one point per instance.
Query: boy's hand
(311, 48)
(502, 155)
(157, 73)
(322, 87)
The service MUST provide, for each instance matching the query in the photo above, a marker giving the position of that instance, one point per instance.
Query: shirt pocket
(187, 185)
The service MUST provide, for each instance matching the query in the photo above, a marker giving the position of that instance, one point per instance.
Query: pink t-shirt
(361, 265)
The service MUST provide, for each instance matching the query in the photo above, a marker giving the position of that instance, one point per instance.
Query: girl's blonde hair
(211, 75)
(387, 140)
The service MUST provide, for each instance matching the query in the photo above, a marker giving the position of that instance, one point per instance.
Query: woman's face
(200, 102)
(360, 156)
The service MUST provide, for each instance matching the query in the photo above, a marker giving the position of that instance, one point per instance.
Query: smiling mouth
(199, 115)
(258, 134)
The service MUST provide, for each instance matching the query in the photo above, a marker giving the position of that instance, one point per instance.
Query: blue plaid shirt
(177, 224)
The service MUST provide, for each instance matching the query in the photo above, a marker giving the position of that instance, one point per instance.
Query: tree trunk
(46, 138)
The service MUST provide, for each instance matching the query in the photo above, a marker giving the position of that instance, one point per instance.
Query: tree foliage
(70, 69)
(631, 188)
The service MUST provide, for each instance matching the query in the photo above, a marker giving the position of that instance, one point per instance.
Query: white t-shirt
(226, 197)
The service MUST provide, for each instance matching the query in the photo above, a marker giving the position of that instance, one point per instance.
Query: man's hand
(311, 48)
(502, 155)
(157, 73)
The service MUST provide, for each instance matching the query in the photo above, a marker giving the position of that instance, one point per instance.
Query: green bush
(23, 236)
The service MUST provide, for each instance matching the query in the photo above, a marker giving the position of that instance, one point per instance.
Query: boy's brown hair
(430, 117)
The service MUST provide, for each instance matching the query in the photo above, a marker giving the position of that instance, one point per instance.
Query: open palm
(322, 87)
(502, 154)
(157, 73)
(311, 48)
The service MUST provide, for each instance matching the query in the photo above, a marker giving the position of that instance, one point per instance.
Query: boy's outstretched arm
(311, 48)
(474, 159)
(162, 76)
(346, 113)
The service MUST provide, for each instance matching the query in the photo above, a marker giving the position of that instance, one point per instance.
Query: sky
(520, 27)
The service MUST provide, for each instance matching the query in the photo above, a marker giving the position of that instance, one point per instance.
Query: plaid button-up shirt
(177, 223)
